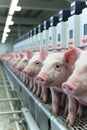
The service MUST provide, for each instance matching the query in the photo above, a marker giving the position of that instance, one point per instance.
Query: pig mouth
(31, 74)
(48, 83)
(82, 100)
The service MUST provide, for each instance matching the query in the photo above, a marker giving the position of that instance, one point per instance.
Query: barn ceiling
(33, 12)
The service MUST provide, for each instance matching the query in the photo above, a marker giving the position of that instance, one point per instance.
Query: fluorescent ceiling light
(9, 20)
(3, 40)
(7, 29)
(18, 8)
(13, 6)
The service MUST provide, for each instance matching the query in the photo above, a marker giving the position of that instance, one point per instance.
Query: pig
(33, 68)
(22, 64)
(54, 72)
(24, 61)
(20, 55)
(76, 85)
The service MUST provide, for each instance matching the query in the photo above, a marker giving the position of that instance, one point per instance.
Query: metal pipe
(10, 112)
(1, 86)
(10, 103)
(10, 99)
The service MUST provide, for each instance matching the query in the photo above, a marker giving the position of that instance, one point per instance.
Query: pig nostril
(70, 89)
(42, 80)
(24, 71)
(64, 87)
(39, 79)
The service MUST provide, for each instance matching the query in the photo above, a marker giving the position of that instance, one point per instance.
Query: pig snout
(68, 88)
(40, 79)
(25, 71)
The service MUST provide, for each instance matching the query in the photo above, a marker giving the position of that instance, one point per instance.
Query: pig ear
(29, 54)
(21, 55)
(16, 55)
(43, 53)
(72, 55)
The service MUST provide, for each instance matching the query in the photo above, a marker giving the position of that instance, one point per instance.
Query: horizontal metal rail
(10, 99)
(10, 112)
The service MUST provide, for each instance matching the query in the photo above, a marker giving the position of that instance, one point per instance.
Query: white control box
(74, 22)
(83, 28)
(39, 36)
(61, 29)
(35, 38)
(61, 35)
(31, 40)
(52, 38)
(52, 32)
(45, 34)
(73, 30)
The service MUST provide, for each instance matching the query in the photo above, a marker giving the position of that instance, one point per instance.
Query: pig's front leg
(66, 107)
(72, 109)
(63, 100)
(27, 80)
(24, 78)
(38, 92)
(34, 86)
(56, 99)
(80, 110)
(30, 83)
(44, 94)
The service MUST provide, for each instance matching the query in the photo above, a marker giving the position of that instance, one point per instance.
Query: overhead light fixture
(18, 8)
(13, 8)
(9, 20)
(7, 29)
(5, 35)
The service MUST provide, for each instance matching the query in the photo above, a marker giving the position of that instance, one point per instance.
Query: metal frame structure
(35, 111)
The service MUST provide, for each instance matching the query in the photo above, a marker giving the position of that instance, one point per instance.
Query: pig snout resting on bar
(34, 67)
(76, 85)
(54, 72)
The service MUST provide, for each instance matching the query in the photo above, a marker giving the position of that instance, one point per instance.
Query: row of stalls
(66, 27)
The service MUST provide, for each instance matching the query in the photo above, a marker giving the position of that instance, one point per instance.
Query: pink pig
(24, 61)
(22, 64)
(76, 85)
(55, 70)
(33, 68)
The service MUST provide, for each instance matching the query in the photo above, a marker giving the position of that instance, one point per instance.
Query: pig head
(35, 63)
(76, 85)
(56, 69)
(24, 61)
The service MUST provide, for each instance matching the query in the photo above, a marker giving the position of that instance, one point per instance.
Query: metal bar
(1, 86)
(10, 99)
(10, 112)
(11, 106)
(30, 120)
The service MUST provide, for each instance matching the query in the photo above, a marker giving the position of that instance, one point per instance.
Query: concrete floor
(5, 120)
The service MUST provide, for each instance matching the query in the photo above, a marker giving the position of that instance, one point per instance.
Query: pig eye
(25, 60)
(38, 63)
(57, 66)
